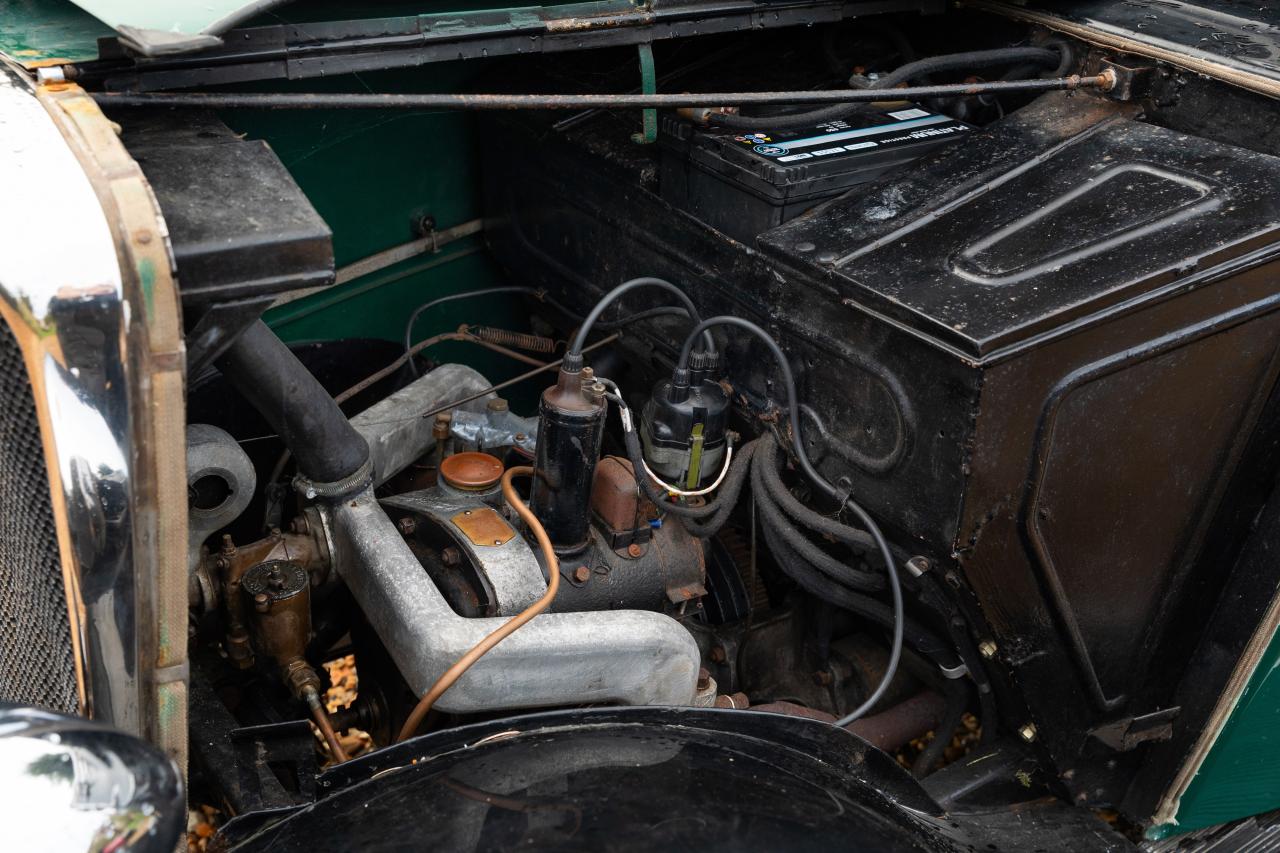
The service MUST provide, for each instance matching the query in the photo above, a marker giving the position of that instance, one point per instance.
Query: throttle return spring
(515, 340)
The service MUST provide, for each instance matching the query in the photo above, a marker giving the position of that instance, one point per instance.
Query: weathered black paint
(1037, 357)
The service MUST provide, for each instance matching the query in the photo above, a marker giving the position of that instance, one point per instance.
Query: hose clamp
(310, 489)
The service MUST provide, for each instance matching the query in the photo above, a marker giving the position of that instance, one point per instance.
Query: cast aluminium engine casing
(1043, 358)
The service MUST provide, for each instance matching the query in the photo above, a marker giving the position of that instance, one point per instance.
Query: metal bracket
(648, 86)
(1123, 735)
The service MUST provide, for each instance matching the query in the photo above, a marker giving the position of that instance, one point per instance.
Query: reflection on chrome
(65, 303)
(71, 785)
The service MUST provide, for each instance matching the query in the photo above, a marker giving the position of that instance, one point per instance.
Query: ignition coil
(571, 417)
(683, 425)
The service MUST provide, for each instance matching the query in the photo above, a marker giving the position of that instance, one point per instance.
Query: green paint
(649, 86)
(1241, 774)
(32, 30)
(371, 175)
(147, 278)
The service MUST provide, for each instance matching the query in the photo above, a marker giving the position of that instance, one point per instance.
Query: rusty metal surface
(468, 101)
(277, 595)
(665, 574)
(888, 730)
(1235, 45)
(509, 571)
(471, 471)
(484, 527)
(618, 504)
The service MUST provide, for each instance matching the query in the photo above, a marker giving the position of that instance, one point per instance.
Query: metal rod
(322, 722)
(464, 101)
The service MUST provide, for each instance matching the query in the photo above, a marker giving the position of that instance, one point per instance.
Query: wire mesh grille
(36, 664)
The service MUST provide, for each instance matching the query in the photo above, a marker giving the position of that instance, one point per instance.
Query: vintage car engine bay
(639, 454)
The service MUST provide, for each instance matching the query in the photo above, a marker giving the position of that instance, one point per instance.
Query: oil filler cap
(472, 472)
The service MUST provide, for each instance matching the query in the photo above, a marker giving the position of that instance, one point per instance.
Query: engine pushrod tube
(466, 101)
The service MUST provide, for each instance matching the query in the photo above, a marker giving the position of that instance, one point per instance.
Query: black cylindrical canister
(571, 418)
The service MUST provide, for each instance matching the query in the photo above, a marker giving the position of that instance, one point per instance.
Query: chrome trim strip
(62, 293)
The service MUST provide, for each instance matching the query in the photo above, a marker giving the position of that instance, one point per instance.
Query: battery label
(830, 139)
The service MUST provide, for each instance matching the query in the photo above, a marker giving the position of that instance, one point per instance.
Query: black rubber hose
(729, 491)
(915, 635)
(968, 60)
(815, 521)
(839, 571)
(957, 701)
(864, 518)
(295, 404)
(901, 74)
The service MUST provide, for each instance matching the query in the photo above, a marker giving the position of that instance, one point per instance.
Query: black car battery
(745, 182)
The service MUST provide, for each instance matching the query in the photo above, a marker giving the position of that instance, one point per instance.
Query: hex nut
(582, 574)
(988, 649)
(1028, 732)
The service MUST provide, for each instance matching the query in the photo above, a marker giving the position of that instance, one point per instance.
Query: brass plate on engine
(484, 526)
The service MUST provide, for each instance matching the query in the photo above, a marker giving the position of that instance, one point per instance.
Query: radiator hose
(266, 373)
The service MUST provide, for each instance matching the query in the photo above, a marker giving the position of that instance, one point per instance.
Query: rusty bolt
(440, 431)
(988, 649)
(407, 525)
(262, 602)
(634, 550)
(704, 678)
(451, 556)
(823, 678)
(718, 654)
(1028, 732)
(228, 546)
(582, 574)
